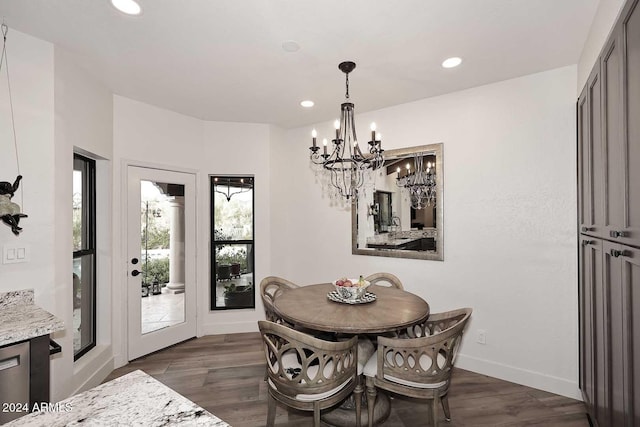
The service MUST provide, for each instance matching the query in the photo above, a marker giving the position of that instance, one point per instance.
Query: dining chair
(270, 288)
(376, 278)
(308, 373)
(420, 364)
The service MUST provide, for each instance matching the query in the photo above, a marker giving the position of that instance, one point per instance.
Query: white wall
(509, 221)
(236, 149)
(32, 86)
(606, 14)
(31, 71)
(84, 123)
(146, 134)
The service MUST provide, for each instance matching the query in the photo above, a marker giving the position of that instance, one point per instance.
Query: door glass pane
(162, 255)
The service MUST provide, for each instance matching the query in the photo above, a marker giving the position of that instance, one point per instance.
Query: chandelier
(419, 183)
(346, 168)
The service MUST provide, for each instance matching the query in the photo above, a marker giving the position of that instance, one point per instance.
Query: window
(84, 255)
(232, 244)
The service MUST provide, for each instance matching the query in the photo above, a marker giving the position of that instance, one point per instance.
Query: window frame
(88, 232)
(212, 252)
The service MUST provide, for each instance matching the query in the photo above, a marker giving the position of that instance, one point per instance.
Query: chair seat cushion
(371, 370)
(291, 366)
(314, 397)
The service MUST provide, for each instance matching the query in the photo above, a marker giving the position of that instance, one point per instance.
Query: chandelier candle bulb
(314, 134)
(324, 142)
(373, 131)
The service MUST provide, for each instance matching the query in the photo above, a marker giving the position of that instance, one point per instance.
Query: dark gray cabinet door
(591, 157)
(615, 167)
(591, 332)
(622, 270)
(584, 179)
(630, 44)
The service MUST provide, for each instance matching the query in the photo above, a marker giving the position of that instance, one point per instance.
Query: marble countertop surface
(21, 319)
(135, 399)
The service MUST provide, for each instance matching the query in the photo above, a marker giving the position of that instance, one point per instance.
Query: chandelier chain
(346, 95)
(4, 59)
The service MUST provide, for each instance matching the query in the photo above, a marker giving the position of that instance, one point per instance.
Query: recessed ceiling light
(130, 7)
(452, 62)
(290, 46)
(307, 103)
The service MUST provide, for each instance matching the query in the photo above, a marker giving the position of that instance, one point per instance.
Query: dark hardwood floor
(224, 374)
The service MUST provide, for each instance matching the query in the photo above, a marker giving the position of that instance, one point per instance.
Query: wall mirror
(401, 215)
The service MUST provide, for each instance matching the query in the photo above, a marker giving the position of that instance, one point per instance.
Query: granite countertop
(135, 399)
(21, 319)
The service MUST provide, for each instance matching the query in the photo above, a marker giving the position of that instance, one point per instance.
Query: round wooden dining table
(393, 309)
(309, 306)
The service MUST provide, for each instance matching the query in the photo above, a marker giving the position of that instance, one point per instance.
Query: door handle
(54, 347)
(134, 273)
(587, 242)
(585, 229)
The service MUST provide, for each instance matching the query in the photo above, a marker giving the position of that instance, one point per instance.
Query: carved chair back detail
(377, 278)
(305, 372)
(419, 365)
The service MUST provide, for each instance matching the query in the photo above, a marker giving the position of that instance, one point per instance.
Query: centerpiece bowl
(351, 289)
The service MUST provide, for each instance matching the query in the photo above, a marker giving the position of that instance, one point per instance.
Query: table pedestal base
(346, 416)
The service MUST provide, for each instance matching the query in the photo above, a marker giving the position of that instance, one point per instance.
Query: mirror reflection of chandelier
(346, 168)
(419, 183)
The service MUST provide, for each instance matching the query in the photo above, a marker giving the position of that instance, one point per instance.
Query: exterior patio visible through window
(232, 244)
(84, 255)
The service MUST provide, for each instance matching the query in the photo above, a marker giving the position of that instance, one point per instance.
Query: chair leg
(271, 410)
(316, 414)
(371, 400)
(357, 395)
(434, 411)
(445, 407)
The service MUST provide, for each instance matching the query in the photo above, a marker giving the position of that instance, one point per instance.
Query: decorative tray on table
(366, 298)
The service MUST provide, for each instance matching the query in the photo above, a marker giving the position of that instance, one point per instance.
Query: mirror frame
(438, 255)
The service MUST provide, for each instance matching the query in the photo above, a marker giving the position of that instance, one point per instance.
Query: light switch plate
(14, 254)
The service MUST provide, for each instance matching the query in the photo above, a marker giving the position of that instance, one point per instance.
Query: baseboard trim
(94, 374)
(520, 376)
(229, 328)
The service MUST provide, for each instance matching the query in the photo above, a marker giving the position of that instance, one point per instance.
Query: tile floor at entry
(167, 309)
(162, 310)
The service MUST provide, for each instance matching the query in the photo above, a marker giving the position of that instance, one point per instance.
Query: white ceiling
(223, 59)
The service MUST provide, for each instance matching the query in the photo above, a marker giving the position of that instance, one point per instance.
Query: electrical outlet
(482, 337)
